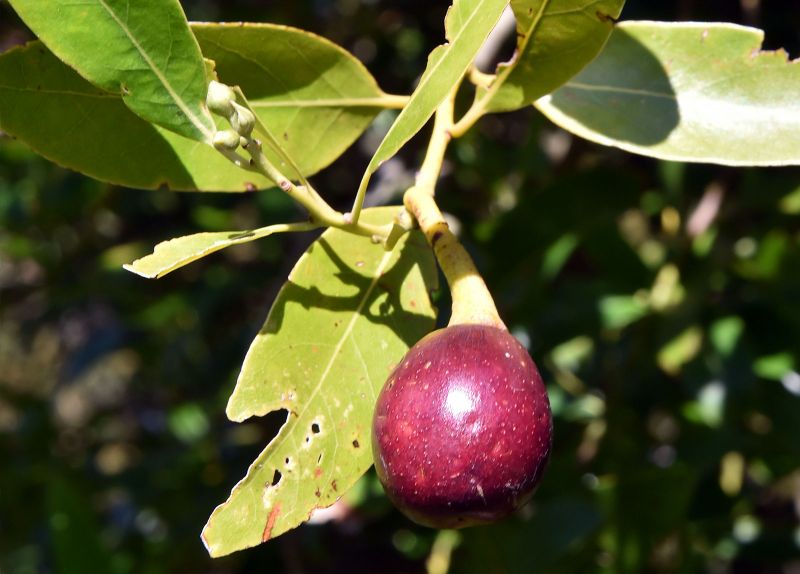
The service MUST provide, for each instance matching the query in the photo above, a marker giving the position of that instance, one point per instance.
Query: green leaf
(175, 253)
(147, 54)
(345, 317)
(555, 40)
(68, 120)
(469, 23)
(686, 92)
(313, 95)
(680, 350)
(63, 117)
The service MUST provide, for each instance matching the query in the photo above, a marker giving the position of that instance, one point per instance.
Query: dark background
(671, 346)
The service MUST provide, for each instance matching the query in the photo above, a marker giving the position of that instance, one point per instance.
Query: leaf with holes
(555, 40)
(347, 314)
(146, 53)
(468, 27)
(686, 92)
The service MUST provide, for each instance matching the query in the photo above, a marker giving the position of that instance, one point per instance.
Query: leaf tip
(133, 269)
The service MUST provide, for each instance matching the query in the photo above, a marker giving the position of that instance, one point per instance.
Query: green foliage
(313, 95)
(345, 317)
(148, 56)
(445, 68)
(687, 92)
(68, 120)
(659, 300)
(175, 253)
(554, 41)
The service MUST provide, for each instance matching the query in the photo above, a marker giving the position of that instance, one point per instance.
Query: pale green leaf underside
(555, 40)
(345, 317)
(315, 97)
(144, 51)
(66, 119)
(175, 253)
(701, 92)
(446, 65)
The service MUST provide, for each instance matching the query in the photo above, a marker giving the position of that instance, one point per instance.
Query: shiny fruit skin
(462, 428)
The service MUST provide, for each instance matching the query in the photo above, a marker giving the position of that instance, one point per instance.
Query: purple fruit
(462, 428)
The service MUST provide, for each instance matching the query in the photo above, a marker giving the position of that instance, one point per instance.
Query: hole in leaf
(287, 461)
(315, 428)
(276, 478)
(355, 443)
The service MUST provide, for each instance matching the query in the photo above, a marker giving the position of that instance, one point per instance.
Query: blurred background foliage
(661, 301)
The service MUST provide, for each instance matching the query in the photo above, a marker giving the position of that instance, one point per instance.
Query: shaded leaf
(147, 54)
(555, 40)
(175, 253)
(345, 317)
(446, 65)
(686, 92)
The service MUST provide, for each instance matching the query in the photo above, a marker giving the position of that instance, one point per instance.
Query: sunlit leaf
(73, 123)
(345, 317)
(680, 350)
(686, 92)
(446, 65)
(143, 52)
(314, 96)
(175, 253)
(555, 40)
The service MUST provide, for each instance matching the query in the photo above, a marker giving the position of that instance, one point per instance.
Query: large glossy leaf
(345, 317)
(143, 51)
(313, 95)
(466, 32)
(65, 118)
(555, 40)
(175, 253)
(686, 92)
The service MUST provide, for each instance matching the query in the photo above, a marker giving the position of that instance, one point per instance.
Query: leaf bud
(226, 140)
(220, 99)
(243, 121)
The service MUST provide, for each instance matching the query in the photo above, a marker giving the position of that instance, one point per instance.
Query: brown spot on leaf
(250, 186)
(273, 516)
(317, 472)
(333, 486)
(356, 444)
(606, 18)
(317, 493)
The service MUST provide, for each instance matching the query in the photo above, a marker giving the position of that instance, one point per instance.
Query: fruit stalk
(472, 301)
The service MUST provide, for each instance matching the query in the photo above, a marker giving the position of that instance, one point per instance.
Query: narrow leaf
(686, 92)
(555, 40)
(143, 51)
(345, 317)
(446, 65)
(175, 253)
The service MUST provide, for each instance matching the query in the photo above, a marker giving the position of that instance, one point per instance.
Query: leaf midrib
(161, 78)
(346, 334)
